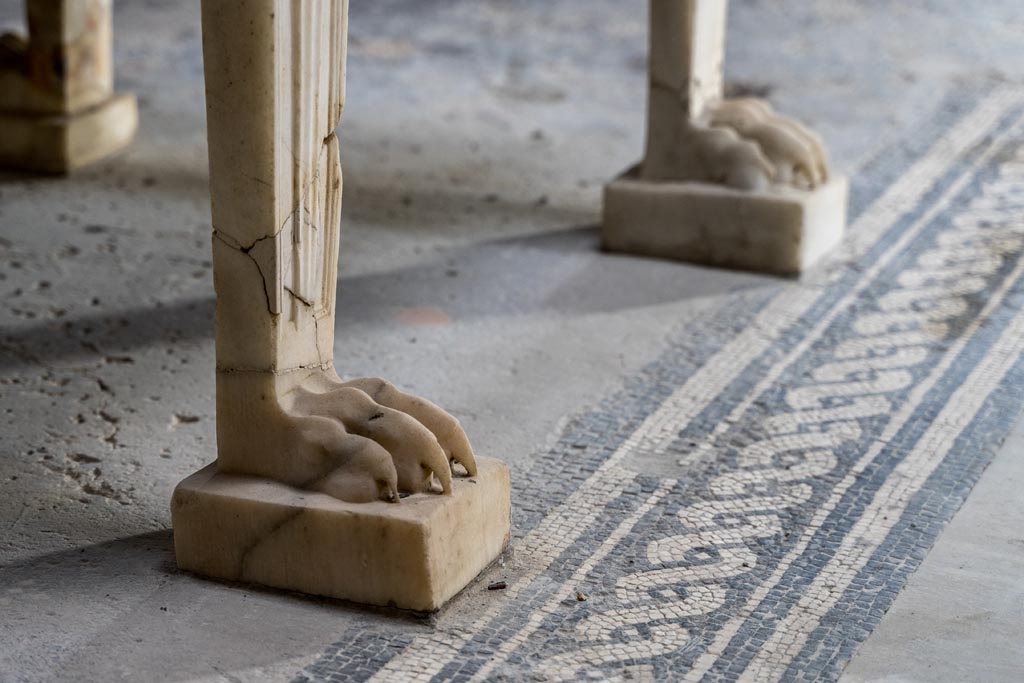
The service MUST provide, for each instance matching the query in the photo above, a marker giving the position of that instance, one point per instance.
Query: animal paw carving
(321, 455)
(358, 441)
(722, 156)
(790, 153)
(447, 430)
(423, 443)
(740, 143)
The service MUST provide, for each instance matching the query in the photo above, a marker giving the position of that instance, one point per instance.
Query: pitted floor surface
(717, 476)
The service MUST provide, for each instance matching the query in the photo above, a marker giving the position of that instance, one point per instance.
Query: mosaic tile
(806, 453)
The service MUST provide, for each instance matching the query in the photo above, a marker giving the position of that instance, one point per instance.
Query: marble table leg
(58, 108)
(725, 182)
(349, 489)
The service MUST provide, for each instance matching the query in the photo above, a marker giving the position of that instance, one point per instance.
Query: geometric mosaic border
(748, 507)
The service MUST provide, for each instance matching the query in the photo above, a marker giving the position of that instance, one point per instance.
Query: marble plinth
(782, 230)
(415, 554)
(58, 143)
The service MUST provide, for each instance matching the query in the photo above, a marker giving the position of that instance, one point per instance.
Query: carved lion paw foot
(366, 440)
(750, 146)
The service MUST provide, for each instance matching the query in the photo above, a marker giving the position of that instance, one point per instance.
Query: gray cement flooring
(475, 143)
(961, 615)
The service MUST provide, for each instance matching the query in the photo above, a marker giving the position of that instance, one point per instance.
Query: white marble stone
(285, 419)
(414, 555)
(58, 108)
(723, 182)
(782, 230)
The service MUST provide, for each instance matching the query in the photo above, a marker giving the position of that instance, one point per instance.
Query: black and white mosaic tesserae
(751, 504)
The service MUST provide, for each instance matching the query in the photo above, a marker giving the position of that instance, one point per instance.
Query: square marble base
(58, 143)
(415, 554)
(782, 230)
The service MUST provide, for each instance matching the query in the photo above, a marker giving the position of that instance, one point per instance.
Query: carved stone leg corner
(348, 489)
(60, 143)
(414, 555)
(58, 108)
(723, 182)
(780, 230)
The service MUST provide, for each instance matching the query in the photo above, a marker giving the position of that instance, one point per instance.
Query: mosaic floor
(739, 474)
(749, 507)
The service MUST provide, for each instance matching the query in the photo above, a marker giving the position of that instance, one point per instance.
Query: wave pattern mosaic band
(750, 505)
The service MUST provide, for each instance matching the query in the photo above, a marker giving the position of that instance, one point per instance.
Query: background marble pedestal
(58, 143)
(782, 230)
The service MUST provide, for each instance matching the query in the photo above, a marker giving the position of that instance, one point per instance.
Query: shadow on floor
(93, 564)
(557, 273)
(94, 337)
(127, 597)
(90, 568)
